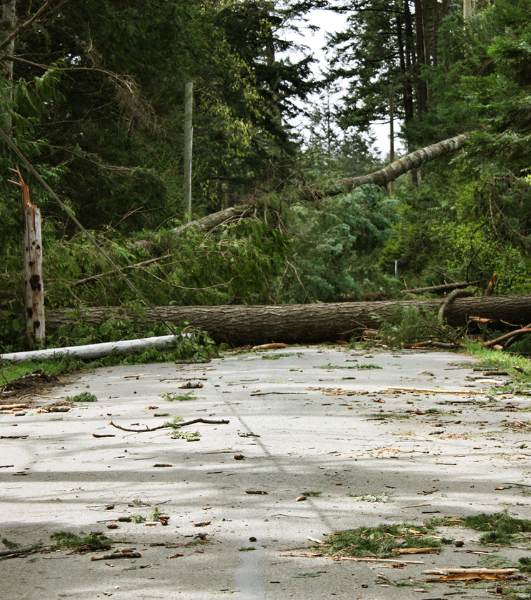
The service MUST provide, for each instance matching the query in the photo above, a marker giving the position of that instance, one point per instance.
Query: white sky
(329, 23)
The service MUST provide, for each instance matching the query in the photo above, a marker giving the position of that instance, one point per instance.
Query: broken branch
(506, 336)
(172, 426)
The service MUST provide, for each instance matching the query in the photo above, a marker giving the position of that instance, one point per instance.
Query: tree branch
(20, 30)
(172, 426)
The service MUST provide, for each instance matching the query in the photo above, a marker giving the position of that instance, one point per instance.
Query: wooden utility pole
(188, 141)
(467, 9)
(33, 283)
(391, 133)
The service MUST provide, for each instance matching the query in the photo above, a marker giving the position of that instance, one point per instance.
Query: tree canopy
(93, 94)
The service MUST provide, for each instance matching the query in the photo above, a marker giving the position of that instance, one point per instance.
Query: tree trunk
(33, 283)
(317, 191)
(94, 351)
(210, 221)
(305, 323)
(384, 176)
(7, 25)
(447, 287)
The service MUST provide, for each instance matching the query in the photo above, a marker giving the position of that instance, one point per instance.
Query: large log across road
(304, 323)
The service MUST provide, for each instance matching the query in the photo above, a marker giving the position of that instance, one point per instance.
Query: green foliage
(10, 545)
(332, 246)
(380, 541)
(84, 397)
(67, 539)
(409, 324)
(500, 528)
(138, 518)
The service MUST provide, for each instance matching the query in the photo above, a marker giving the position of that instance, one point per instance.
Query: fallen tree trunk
(447, 287)
(305, 323)
(218, 218)
(383, 176)
(341, 186)
(94, 351)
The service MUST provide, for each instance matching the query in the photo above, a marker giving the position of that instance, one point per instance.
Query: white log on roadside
(94, 351)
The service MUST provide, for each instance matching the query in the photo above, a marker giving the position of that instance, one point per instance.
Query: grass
(312, 494)
(67, 539)
(279, 355)
(499, 528)
(83, 397)
(10, 371)
(138, 518)
(519, 367)
(10, 545)
(380, 541)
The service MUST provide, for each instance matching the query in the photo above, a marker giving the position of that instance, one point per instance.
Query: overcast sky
(330, 22)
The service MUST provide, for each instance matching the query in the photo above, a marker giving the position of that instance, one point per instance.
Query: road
(304, 419)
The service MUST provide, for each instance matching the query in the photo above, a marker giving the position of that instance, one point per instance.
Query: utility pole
(467, 9)
(392, 132)
(188, 141)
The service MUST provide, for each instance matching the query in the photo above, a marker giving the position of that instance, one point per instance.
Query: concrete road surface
(304, 419)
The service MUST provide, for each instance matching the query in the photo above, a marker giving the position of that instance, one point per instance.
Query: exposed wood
(426, 550)
(33, 281)
(307, 323)
(430, 391)
(447, 287)
(139, 265)
(93, 351)
(352, 558)
(215, 219)
(13, 406)
(470, 571)
(505, 337)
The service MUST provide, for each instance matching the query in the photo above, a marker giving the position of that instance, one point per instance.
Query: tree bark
(7, 24)
(33, 282)
(384, 176)
(94, 351)
(447, 287)
(334, 188)
(211, 221)
(305, 323)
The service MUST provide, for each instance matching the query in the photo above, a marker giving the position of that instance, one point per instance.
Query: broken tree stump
(33, 284)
